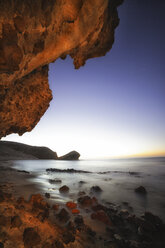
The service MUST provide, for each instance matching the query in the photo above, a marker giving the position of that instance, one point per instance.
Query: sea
(118, 179)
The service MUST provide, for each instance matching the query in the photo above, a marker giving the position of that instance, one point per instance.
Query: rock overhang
(36, 33)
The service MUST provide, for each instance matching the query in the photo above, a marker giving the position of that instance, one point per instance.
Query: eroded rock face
(35, 33)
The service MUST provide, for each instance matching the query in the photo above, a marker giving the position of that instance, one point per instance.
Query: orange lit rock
(36, 34)
(75, 211)
(38, 202)
(71, 205)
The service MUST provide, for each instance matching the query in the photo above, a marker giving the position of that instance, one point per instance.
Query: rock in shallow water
(64, 189)
(141, 190)
(96, 189)
(87, 201)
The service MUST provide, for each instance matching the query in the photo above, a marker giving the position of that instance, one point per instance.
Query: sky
(114, 106)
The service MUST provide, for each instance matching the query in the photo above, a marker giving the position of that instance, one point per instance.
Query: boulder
(96, 189)
(47, 195)
(101, 216)
(79, 220)
(31, 238)
(37, 201)
(55, 207)
(63, 215)
(141, 190)
(64, 189)
(87, 201)
(70, 156)
(71, 205)
(75, 211)
(68, 237)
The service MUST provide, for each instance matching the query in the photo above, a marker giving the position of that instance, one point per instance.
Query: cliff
(36, 33)
(15, 151)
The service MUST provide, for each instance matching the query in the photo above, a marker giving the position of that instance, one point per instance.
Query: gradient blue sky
(114, 105)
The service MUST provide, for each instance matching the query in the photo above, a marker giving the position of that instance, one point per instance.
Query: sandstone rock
(31, 238)
(16, 221)
(71, 227)
(47, 245)
(43, 215)
(79, 220)
(57, 244)
(36, 34)
(68, 237)
(3, 236)
(71, 205)
(98, 207)
(75, 211)
(90, 231)
(4, 220)
(101, 216)
(55, 207)
(87, 201)
(64, 189)
(63, 215)
(38, 202)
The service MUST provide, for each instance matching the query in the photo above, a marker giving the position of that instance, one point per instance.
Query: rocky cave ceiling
(36, 33)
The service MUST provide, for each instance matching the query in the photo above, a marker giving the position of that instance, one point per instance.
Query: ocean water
(116, 177)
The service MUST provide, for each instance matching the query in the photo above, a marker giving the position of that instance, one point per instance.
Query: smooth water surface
(117, 177)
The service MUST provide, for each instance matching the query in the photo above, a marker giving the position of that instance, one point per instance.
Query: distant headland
(13, 150)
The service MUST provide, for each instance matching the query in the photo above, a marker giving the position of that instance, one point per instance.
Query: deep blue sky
(114, 105)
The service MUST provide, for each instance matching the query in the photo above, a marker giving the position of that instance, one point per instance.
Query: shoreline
(97, 224)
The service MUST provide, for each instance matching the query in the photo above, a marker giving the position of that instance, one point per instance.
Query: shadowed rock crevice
(36, 33)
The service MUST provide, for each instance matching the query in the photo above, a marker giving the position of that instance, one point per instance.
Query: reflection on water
(117, 177)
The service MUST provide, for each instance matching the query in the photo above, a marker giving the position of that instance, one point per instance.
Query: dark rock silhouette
(141, 190)
(70, 156)
(31, 237)
(64, 189)
(14, 150)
